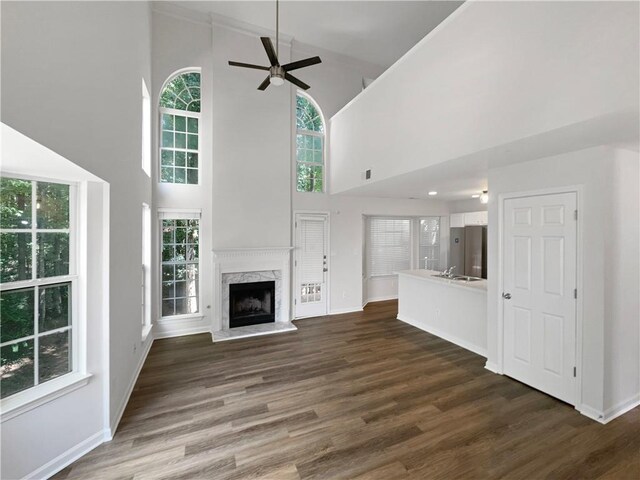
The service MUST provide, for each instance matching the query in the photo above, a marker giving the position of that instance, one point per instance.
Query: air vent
(367, 174)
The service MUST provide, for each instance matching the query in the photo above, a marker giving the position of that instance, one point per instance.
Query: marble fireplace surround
(244, 265)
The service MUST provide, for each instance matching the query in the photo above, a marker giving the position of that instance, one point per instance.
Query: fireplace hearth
(252, 303)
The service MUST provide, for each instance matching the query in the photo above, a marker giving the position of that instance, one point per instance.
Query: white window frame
(321, 135)
(77, 377)
(146, 271)
(146, 130)
(419, 260)
(178, 214)
(368, 241)
(414, 241)
(183, 113)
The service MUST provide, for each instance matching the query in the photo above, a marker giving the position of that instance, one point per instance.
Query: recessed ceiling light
(475, 195)
(433, 193)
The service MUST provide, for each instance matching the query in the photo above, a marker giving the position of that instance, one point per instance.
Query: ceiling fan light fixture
(276, 81)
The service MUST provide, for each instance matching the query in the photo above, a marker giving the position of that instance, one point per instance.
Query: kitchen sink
(464, 278)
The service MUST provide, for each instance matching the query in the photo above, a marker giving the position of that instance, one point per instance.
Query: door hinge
(575, 293)
(295, 301)
(574, 371)
(295, 263)
(575, 214)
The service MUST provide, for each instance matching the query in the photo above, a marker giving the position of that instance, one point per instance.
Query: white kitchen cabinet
(456, 220)
(476, 218)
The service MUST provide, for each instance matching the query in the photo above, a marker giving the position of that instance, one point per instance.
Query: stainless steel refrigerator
(468, 251)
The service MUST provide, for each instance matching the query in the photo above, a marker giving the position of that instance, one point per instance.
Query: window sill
(22, 402)
(194, 316)
(146, 330)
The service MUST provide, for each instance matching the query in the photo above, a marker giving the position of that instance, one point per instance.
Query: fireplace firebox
(252, 303)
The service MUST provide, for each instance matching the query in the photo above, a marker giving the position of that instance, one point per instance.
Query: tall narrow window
(37, 283)
(180, 264)
(146, 269)
(388, 245)
(179, 125)
(146, 129)
(429, 243)
(309, 146)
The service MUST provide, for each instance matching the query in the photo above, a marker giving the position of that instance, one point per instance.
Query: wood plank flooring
(352, 396)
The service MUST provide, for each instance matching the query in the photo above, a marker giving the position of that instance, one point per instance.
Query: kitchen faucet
(449, 272)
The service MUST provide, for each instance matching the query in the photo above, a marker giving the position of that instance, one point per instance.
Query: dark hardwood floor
(352, 396)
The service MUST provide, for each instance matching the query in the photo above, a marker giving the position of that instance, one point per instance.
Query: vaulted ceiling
(378, 32)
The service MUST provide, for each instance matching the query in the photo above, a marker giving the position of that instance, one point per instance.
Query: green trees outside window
(180, 264)
(309, 146)
(36, 285)
(179, 135)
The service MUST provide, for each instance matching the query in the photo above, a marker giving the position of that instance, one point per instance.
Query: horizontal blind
(429, 243)
(311, 251)
(389, 245)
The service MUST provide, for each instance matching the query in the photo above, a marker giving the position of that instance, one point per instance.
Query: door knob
(506, 296)
(325, 269)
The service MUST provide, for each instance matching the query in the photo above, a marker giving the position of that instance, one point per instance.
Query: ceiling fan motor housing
(276, 74)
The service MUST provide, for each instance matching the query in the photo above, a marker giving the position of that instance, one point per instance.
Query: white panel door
(539, 261)
(311, 265)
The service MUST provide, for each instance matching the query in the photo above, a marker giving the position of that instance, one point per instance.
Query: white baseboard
(67, 458)
(492, 367)
(621, 408)
(610, 413)
(382, 299)
(116, 420)
(592, 413)
(169, 328)
(345, 310)
(446, 336)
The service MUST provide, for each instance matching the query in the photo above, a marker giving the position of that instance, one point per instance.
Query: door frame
(294, 266)
(578, 190)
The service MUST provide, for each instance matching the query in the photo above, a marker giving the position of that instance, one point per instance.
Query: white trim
(180, 325)
(116, 421)
(592, 413)
(68, 457)
(34, 397)
(492, 367)
(446, 336)
(382, 299)
(621, 408)
(299, 214)
(342, 311)
(578, 191)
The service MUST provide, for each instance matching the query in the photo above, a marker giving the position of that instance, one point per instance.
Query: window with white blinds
(429, 243)
(389, 245)
(311, 256)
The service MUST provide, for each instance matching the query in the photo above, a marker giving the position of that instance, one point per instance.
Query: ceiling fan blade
(296, 82)
(265, 84)
(247, 65)
(271, 53)
(307, 62)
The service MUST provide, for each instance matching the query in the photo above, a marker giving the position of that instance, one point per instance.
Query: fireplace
(252, 303)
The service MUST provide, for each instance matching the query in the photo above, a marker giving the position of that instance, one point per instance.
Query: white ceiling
(378, 32)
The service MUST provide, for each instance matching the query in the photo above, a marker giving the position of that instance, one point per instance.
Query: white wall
(606, 319)
(490, 74)
(71, 75)
(251, 147)
(346, 243)
(464, 206)
(173, 51)
(622, 287)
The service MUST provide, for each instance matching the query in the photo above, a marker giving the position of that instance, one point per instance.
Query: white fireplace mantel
(250, 260)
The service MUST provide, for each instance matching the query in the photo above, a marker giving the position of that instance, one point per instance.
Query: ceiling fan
(278, 73)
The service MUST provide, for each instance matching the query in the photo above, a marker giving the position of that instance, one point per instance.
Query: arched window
(309, 145)
(179, 137)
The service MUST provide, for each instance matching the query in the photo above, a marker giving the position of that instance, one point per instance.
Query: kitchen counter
(450, 309)
(430, 276)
